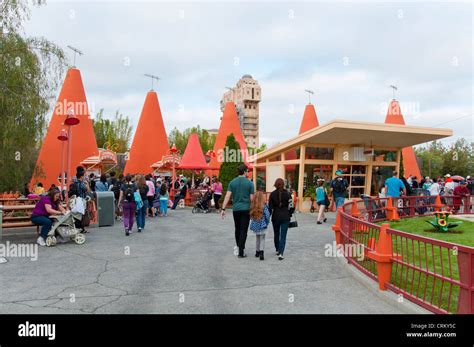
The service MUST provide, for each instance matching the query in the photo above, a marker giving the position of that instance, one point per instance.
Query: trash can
(106, 208)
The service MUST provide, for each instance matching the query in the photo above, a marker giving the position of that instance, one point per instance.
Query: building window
(355, 176)
(292, 154)
(253, 97)
(275, 158)
(321, 153)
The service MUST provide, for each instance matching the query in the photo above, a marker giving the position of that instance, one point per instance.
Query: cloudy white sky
(347, 52)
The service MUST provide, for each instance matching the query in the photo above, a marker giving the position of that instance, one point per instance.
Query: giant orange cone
(310, 119)
(410, 165)
(150, 142)
(72, 98)
(229, 125)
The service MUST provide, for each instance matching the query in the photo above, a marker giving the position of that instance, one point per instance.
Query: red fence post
(466, 277)
(392, 211)
(383, 256)
(337, 226)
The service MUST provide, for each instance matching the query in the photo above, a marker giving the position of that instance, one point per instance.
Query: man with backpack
(129, 206)
(339, 187)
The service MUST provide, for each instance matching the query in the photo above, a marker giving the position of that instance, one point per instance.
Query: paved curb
(388, 296)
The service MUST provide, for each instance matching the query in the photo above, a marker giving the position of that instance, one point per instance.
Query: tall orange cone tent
(229, 124)
(394, 116)
(84, 144)
(150, 142)
(310, 119)
(193, 157)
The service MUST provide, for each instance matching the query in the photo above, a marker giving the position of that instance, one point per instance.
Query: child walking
(322, 201)
(259, 220)
(164, 197)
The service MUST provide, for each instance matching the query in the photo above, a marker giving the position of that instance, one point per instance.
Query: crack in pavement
(118, 297)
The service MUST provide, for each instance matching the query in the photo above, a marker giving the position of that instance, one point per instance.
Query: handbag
(294, 223)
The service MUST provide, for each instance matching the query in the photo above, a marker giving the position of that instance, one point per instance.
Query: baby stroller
(64, 227)
(374, 211)
(202, 205)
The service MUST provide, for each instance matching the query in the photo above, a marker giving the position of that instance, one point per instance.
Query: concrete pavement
(184, 263)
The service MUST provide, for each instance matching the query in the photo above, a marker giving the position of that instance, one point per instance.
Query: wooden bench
(8, 221)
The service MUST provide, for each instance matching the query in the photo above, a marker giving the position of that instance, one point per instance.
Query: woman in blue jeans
(279, 204)
(48, 205)
(141, 213)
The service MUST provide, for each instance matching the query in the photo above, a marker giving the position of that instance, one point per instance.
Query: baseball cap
(338, 172)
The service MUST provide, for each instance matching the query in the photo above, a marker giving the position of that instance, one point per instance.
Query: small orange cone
(392, 212)
(355, 210)
(438, 205)
(337, 226)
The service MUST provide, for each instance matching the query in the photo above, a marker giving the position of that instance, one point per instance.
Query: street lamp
(63, 138)
(71, 120)
(173, 152)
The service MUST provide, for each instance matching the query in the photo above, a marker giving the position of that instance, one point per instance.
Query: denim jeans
(280, 229)
(339, 202)
(141, 215)
(45, 223)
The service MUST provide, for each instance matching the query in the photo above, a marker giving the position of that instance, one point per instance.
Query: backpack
(116, 190)
(339, 186)
(129, 193)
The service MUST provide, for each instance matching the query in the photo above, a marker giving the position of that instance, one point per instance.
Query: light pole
(70, 121)
(173, 151)
(63, 138)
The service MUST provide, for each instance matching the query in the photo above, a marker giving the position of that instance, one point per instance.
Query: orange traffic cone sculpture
(310, 119)
(150, 142)
(229, 125)
(72, 100)
(410, 165)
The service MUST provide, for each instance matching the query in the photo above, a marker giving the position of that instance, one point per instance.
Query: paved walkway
(184, 263)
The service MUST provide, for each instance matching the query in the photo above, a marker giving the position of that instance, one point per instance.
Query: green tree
(30, 72)
(438, 159)
(180, 139)
(231, 160)
(458, 158)
(115, 133)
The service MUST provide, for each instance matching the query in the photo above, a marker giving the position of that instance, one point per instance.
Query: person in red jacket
(459, 193)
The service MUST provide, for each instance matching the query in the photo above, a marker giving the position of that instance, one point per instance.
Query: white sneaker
(40, 241)
(280, 257)
(3, 260)
(236, 250)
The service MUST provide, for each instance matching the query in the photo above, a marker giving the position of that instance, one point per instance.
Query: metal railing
(435, 274)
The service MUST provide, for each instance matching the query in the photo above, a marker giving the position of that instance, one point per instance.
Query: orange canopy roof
(72, 98)
(229, 125)
(394, 116)
(193, 158)
(310, 119)
(150, 142)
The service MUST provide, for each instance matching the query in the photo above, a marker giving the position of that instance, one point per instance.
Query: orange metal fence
(437, 275)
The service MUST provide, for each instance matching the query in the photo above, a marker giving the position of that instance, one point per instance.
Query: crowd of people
(136, 197)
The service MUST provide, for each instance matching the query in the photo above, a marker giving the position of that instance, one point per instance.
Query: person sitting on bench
(48, 205)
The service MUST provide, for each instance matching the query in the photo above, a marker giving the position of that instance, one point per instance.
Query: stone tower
(246, 96)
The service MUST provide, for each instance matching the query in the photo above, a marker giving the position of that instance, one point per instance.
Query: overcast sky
(347, 52)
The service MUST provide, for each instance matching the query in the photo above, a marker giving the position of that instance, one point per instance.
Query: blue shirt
(394, 185)
(320, 194)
